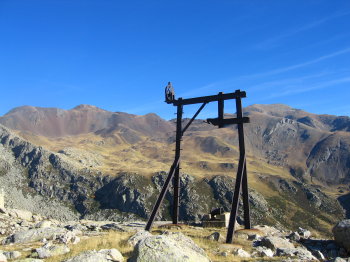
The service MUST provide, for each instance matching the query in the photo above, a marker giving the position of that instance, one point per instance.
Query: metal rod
(161, 195)
(194, 117)
(177, 171)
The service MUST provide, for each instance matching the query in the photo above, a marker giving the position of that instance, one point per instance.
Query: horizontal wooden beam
(207, 99)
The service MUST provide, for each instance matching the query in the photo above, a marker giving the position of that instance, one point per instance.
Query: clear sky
(119, 55)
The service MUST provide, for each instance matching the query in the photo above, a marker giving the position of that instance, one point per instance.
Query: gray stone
(216, 236)
(294, 236)
(341, 234)
(254, 237)
(50, 251)
(22, 214)
(113, 227)
(168, 247)
(67, 237)
(33, 235)
(133, 240)
(12, 254)
(304, 232)
(301, 253)
(241, 253)
(43, 224)
(276, 242)
(104, 255)
(113, 253)
(264, 252)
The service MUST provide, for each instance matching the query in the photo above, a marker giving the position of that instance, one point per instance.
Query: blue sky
(119, 55)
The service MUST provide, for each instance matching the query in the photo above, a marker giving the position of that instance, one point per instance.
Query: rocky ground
(26, 237)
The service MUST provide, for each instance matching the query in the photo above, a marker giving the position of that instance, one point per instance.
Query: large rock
(33, 235)
(341, 234)
(22, 214)
(133, 240)
(276, 242)
(51, 250)
(301, 253)
(104, 255)
(169, 247)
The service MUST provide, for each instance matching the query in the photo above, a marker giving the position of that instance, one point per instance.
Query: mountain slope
(280, 140)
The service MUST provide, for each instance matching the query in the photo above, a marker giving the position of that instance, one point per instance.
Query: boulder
(104, 255)
(304, 232)
(216, 236)
(68, 237)
(341, 234)
(50, 251)
(12, 254)
(32, 235)
(169, 247)
(294, 236)
(113, 227)
(241, 253)
(133, 240)
(263, 252)
(301, 253)
(43, 224)
(275, 242)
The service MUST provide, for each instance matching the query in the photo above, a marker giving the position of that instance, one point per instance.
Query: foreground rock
(275, 242)
(33, 235)
(51, 250)
(341, 234)
(169, 247)
(104, 255)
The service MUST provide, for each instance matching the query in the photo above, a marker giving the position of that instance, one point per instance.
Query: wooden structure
(220, 121)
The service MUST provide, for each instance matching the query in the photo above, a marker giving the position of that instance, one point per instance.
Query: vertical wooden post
(241, 176)
(177, 171)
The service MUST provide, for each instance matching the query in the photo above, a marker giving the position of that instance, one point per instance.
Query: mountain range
(296, 161)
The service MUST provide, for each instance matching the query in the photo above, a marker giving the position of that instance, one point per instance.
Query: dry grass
(107, 241)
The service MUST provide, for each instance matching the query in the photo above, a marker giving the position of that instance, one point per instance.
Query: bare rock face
(341, 234)
(168, 247)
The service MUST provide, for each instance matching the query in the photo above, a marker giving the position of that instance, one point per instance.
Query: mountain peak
(86, 107)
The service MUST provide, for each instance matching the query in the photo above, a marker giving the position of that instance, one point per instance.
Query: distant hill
(305, 145)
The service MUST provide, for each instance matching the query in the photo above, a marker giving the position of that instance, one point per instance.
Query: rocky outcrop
(168, 247)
